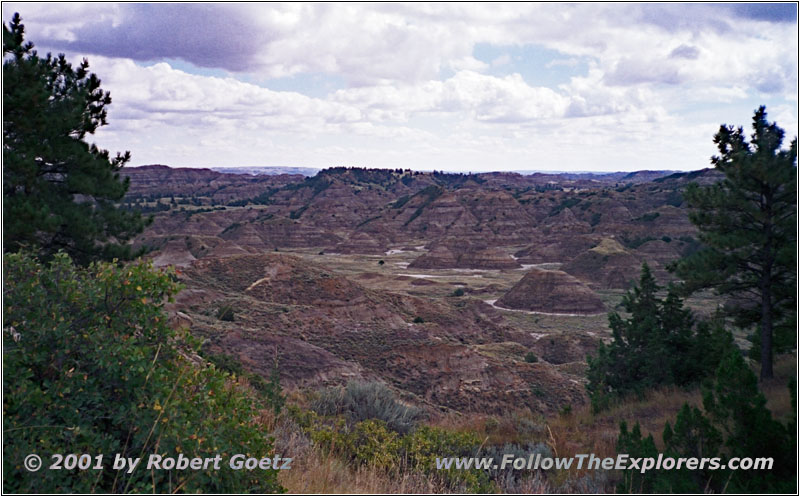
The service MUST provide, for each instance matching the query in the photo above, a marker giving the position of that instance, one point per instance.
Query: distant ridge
(270, 170)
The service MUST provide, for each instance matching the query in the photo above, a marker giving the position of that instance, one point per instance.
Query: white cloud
(409, 89)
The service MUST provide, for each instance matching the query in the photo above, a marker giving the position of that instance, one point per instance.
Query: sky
(445, 86)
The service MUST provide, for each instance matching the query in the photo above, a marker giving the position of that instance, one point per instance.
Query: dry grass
(318, 472)
(580, 431)
(779, 399)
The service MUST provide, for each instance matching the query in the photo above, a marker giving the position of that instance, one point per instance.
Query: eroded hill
(414, 278)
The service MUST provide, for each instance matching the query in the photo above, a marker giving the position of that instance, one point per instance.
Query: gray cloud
(685, 52)
(630, 71)
(206, 35)
(772, 12)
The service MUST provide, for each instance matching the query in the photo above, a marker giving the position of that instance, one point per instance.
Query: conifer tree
(59, 192)
(747, 222)
(734, 422)
(658, 344)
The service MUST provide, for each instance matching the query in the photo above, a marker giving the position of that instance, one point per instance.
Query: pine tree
(747, 223)
(59, 192)
(734, 422)
(657, 345)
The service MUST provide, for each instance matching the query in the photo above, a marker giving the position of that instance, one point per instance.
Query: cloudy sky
(461, 87)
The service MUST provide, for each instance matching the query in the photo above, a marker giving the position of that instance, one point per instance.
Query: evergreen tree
(734, 422)
(747, 223)
(657, 345)
(59, 192)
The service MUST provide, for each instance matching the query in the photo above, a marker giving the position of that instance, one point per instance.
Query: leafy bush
(360, 401)
(370, 442)
(531, 357)
(271, 390)
(509, 476)
(90, 366)
(458, 292)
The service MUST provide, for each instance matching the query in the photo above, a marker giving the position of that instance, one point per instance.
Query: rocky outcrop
(565, 222)
(552, 292)
(555, 249)
(327, 329)
(607, 265)
(360, 243)
(452, 253)
(440, 257)
(277, 233)
(196, 182)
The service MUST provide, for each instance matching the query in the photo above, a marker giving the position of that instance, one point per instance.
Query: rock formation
(452, 253)
(607, 265)
(553, 292)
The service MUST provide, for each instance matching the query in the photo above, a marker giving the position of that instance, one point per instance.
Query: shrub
(91, 366)
(509, 476)
(423, 446)
(648, 218)
(370, 442)
(531, 357)
(458, 292)
(360, 401)
(225, 313)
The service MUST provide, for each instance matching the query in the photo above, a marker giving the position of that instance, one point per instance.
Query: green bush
(90, 366)
(531, 357)
(270, 390)
(648, 218)
(423, 446)
(458, 292)
(370, 442)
